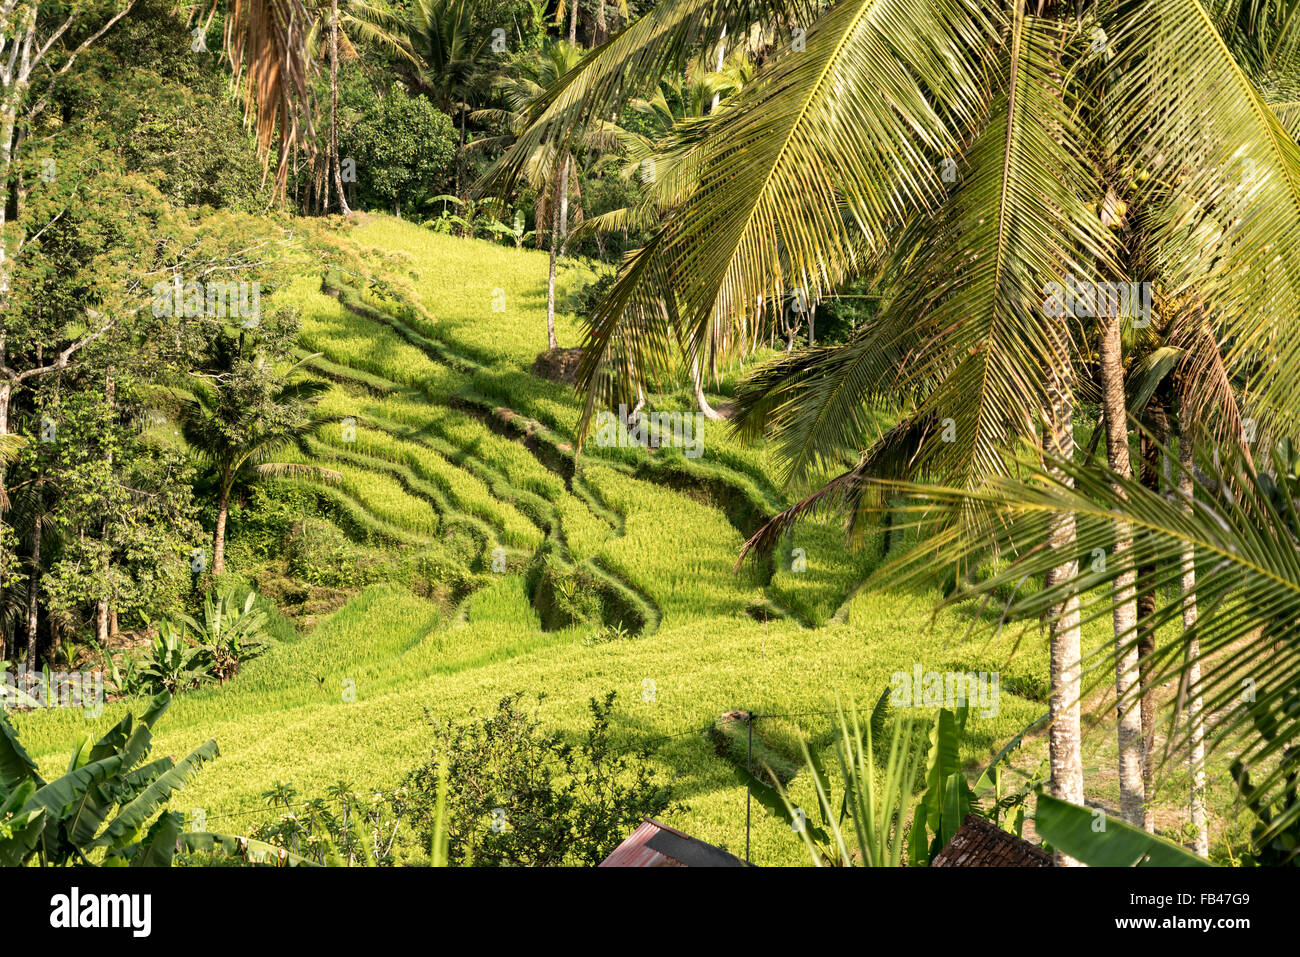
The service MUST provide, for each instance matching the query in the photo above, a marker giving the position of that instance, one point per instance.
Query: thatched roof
(981, 843)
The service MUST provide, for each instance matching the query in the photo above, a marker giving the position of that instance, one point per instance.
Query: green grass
(423, 380)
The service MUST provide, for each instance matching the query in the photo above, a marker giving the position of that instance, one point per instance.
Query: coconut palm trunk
(219, 536)
(561, 185)
(1132, 792)
(334, 108)
(1065, 752)
(34, 587)
(564, 204)
(701, 401)
(1195, 716)
(1152, 447)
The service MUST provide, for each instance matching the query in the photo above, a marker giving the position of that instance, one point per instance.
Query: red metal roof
(636, 851)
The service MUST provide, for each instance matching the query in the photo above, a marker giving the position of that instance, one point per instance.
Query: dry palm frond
(268, 43)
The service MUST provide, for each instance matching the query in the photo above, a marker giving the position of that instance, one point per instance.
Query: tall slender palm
(548, 169)
(335, 163)
(239, 422)
(829, 165)
(1236, 536)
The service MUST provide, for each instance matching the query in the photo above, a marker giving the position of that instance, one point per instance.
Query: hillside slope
(470, 516)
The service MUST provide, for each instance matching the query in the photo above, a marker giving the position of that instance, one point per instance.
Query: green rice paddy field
(452, 459)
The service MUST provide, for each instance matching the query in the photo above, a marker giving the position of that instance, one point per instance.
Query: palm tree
(336, 168)
(239, 419)
(1235, 534)
(548, 170)
(828, 167)
(662, 160)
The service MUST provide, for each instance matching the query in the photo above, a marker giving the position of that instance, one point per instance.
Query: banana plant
(109, 807)
(173, 664)
(230, 633)
(949, 797)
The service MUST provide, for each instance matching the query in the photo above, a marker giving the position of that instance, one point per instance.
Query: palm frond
(1247, 589)
(658, 43)
(804, 173)
(298, 470)
(267, 42)
(1220, 190)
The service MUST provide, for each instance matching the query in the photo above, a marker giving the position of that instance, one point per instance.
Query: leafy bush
(144, 93)
(403, 147)
(584, 299)
(520, 796)
(319, 553)
(342, 829)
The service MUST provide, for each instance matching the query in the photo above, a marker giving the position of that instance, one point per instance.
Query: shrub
(187, 652)
(319, 553)
(403, 147)
(343, 828)
(521, 796)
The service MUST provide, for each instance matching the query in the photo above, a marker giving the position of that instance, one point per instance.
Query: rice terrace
(569, 433)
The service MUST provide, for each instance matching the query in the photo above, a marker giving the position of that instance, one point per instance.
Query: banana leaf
(1105, 841)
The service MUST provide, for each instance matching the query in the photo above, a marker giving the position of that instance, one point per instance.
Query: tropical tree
(1238, 531)
(239, 418)
(969, 168)
(662, 160)
(548, 170)
(443, 49)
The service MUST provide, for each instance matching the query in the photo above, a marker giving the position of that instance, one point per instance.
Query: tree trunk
(33, 592)
(1132, 793)
(334, 106)
(697, 383)
(550, 280)
(722, 58)
(1195, 717)
(219, 540)
(6, 390)
(573, 21)
(56, 638)
(460, 152)
(1065, 734)
(1158, 423)
(564, 205)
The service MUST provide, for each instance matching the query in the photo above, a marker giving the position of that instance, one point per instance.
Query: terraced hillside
(480, 557)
